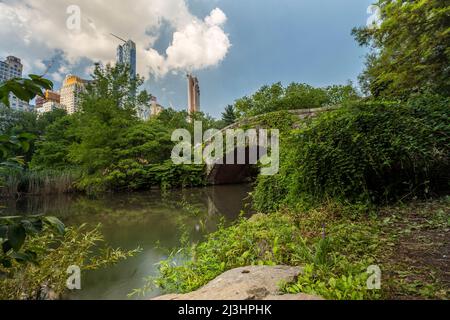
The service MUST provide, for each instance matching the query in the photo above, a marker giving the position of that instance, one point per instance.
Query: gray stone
(247, 283)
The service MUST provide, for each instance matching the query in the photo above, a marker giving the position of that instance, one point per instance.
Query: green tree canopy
(229, 115)
(294, 96)
(410, 48)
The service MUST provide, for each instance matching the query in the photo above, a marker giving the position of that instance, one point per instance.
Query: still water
(150, 220)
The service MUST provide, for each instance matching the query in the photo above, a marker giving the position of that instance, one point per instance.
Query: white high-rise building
(71, 91)
(12, 68)
(49, 106)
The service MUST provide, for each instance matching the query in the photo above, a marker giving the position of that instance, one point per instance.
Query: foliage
(14, 231)
(229, 115)
(282, 120)
(294, 96)
(410, 49)
(129, 175)
(110, 146)
(107, 111)
(10, 162)
(78, 247)
(52, 149)
(14, 144)
(30, 124)
(317, 282)
(367, 152)
(24, 89)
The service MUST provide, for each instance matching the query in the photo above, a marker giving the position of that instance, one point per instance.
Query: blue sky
(234, 47)
(287, 41)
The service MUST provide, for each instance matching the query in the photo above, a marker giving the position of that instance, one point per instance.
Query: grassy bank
(335, 244)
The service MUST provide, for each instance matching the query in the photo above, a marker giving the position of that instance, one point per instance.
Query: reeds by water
(46, 182)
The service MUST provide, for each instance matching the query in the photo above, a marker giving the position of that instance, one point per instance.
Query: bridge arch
(221, 173)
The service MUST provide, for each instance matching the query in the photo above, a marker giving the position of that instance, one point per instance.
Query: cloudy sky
(233, 46)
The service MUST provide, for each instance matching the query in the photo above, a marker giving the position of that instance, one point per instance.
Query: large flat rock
(247, 283)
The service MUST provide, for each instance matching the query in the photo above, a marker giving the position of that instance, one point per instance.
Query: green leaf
(26, 135)
(23, 257)
(16, 236)
(18, 90)
(6, 247)
(32, 226)
(3, 232)
(6, 262)
(56, 224)
(44, 83)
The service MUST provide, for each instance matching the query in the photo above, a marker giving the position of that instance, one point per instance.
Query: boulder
(247, 283)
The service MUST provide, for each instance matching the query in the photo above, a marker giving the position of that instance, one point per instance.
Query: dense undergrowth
(335, 245)
(369, 153)
(338, 172)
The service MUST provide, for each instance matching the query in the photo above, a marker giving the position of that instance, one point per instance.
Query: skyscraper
(126, 55)
(193, 94)
(71, 91)
(9, 69)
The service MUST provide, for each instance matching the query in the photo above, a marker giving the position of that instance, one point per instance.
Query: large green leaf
(55, 223)
(16, 236)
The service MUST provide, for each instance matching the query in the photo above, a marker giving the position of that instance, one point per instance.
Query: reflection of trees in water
(209, 203)
(150, 220)
(227, 200)
(35, 205)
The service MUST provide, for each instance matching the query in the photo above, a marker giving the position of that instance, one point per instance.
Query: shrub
(54, 255)
(130, 175)
(367, 152)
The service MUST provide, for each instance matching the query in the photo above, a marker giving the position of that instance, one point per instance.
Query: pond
(151, 220)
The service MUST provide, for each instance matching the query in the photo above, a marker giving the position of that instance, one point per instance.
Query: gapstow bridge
(220, 173)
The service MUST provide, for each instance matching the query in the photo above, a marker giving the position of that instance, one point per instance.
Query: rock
(247, 283)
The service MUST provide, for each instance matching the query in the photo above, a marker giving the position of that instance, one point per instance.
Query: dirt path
(416, 250)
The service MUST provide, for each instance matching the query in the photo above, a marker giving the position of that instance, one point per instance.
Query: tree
(52, 148)
(229, 115)
(410, 51)
(15, 230)
(107, 109)
(294, 96)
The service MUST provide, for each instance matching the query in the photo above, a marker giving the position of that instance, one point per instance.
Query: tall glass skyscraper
(126, 55)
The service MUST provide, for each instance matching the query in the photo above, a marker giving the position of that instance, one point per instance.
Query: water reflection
(148, 220)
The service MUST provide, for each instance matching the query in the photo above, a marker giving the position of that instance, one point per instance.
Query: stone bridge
(220, 173)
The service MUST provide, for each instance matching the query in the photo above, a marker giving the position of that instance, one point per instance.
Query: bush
(130, 175)
(54, 255)
(367, 152)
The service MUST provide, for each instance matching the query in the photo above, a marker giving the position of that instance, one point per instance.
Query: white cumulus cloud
(35, 30)
(374, 19)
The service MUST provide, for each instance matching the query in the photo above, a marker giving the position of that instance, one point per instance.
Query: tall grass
(38, 182)
(9, 184)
